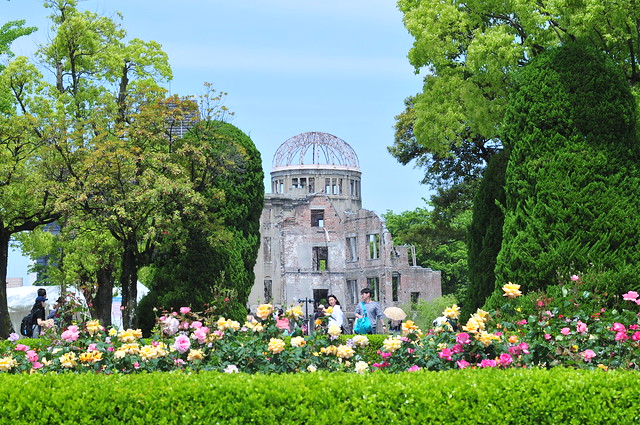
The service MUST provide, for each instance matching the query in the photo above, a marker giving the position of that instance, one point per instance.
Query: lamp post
(306, 302)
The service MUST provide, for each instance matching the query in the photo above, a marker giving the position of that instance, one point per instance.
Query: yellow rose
(195, 355)
(409, 327)
(298, 341)
(132, 348)
(452, 312)
(222, 324)
(329, 350)
(360, 340)
(334, 330)
(513, 339)
(93, 326)
(294, 312)
(264, 311)
(328, 311)
(276, 345)
(68, 360)
(148, 352)
(344, 352)
(485, 338)
(511, 290)
(391, 344)
(473, 326)
(361, 367)
(7, 363)
(90, 356)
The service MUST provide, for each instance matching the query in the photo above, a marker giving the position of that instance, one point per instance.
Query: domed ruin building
(318, 240)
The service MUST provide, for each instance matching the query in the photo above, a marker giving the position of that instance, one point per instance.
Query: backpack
(26, 325)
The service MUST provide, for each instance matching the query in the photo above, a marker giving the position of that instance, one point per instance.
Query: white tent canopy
(21, 299)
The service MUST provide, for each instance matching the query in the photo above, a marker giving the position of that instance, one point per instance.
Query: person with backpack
(38, 314)
(371, 309)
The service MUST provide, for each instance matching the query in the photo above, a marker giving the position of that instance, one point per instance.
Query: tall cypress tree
(214, 268)
(485, 235)
(572, 179)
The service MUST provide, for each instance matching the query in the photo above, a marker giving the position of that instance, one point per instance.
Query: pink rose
(445, 354)
(32, 356)
(185, 310)
(588, 355)
(575, 277)
(36, 365)
(635, 336)
(621, 336)
(413, 368)
(581, 327)
(618, 327)
(547, 337)
(630, 296)
(505, 359)
(22, 347)
(463, 338)
(458, 348)
(488, 363)
(182, 344)
(463, 364)
(565, 331)
(71, 334)
(196, 325)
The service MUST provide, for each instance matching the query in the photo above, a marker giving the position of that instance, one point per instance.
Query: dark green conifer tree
(485, 235)
(572, 187)
(215, 270)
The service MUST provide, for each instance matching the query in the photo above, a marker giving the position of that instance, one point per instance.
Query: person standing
(38, 315)
(337, 315)
(373, 310)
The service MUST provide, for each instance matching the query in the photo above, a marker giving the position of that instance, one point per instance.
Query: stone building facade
(317, 239)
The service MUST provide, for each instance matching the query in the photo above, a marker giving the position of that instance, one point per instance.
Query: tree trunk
(5, 320)
(129, 281)
(104, 296)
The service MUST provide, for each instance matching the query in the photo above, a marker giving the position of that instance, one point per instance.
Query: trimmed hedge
(558, 396)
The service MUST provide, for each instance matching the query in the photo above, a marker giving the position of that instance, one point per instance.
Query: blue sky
(288, 66)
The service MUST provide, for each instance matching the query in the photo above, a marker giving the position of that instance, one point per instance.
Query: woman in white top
(337, 316)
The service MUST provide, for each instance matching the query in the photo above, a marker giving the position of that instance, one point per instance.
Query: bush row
(515, 396)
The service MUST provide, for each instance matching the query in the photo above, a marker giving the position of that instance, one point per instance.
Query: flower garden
(502, 339)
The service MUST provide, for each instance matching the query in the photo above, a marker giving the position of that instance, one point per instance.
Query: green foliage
(470, 396)
(424, 313)
(207, 270)
(438, 236)
(485, 235)
(572, 178)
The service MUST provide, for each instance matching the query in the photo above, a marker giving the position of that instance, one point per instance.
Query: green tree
(485, 236)
(26, 200)
(438, 235)
(471, 48)
(215, 270)
(572, 178)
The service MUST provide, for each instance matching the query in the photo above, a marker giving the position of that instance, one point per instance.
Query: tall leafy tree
(438, 235)
(213, 268)
(572, 179)
(26, 201)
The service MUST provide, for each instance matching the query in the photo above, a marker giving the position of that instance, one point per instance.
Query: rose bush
(555, 334)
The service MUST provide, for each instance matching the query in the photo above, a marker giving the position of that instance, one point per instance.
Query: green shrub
(558, 396)
(424, 313)
(572, 180)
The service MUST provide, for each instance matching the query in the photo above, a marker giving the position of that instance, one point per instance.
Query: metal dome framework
(315, 148)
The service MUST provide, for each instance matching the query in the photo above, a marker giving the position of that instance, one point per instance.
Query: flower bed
(185, 341)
